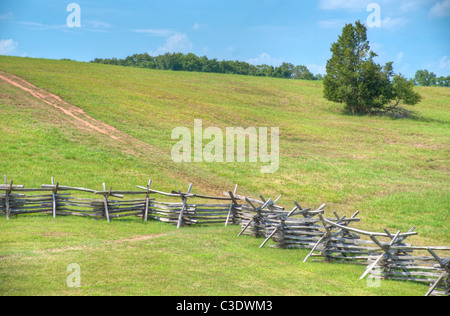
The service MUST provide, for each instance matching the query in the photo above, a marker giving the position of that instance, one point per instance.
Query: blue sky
(414, 34)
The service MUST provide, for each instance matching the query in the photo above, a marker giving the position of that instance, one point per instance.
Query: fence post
(233, 202)
(283, 220)
(443, 265)
(256, 218)
(147, 200)
(326, 236)
(55, 191)
(106, 202)
(7, 198)
(183, 197)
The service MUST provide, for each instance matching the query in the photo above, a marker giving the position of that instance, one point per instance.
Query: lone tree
(365, 87)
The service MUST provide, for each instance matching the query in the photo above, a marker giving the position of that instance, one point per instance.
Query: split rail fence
(332, 239)
(109, 204)
(386, 255)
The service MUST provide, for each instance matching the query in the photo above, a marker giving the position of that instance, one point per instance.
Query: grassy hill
(396, 172)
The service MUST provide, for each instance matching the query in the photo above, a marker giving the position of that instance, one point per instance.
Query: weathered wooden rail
(386, 255)
(178, 208)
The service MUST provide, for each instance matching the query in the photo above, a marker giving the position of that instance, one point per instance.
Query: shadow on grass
(402, 114)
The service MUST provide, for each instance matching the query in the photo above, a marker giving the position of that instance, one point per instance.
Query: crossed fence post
(232, 205)
(105, 196)
(147, 200)
(328, 233)
(183, 209)
(258, 216)
(54, 193)
(283, 218)
(445, 264)
(388, 253)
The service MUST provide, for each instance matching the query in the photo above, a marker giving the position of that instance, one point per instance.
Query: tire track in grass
(88, 247)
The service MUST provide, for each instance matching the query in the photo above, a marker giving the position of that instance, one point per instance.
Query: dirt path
(65, 114)
(82, 119)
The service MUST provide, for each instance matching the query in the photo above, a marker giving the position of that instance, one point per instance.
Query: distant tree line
(425, 78)
(191, 62)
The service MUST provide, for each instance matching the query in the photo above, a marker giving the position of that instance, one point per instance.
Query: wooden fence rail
(59, 200)
(386, 255)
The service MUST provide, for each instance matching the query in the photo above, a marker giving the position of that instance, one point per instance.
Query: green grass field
(395, 172)
(115, 260)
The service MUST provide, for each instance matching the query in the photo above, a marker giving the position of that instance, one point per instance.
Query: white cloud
(6, 16)
(95, 26)
(441, 9)
(265, 59)
(156, 32)
(7, 46)
(444, 64)
(98, 24)
(343, 4)
(34, 26)
(399, 6)
(387, 23)
(232, 50)
(317, 69)
(441, 66)
(88, 25)
(402, 8)
(413, 5)
(394, 23)
(331, 24)
(175, 43)
(400, 66)
(196, 27)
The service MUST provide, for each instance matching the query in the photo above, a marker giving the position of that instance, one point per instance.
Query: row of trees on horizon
(425, 78)
(191, 62)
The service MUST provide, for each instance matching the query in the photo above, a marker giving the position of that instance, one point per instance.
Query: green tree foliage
(191, 62)
(301, 72)
(443, 81)
(354, 79)
(425, 78)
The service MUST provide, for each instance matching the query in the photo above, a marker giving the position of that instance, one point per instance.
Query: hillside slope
(396, 172)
